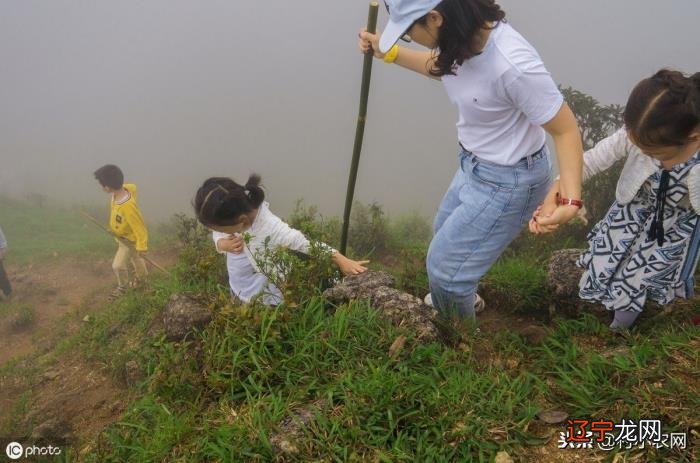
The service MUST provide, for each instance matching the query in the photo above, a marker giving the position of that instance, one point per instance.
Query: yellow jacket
(126, 220)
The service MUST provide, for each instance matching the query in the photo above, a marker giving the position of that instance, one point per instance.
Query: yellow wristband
(392, 54)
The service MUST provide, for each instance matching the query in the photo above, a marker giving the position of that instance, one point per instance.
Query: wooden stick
(125, 242)
(360, 130)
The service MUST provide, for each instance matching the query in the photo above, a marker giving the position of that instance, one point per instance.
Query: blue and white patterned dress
(624, 266)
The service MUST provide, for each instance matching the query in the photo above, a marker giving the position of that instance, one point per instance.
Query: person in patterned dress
(647, 245)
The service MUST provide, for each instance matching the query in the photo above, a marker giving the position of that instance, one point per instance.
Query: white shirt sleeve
(534, 92)
(3, 241)
(283, 235)
(216, 236)
(606, 153)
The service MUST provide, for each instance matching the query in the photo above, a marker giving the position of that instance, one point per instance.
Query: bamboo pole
(125, 243)
(360, 130)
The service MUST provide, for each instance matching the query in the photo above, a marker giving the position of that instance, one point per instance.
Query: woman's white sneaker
(479, 303)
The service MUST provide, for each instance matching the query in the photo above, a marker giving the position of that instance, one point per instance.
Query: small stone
(503, 457)
(553, 416)
(397, 346)
(534, 334)
(50, 375)
(132, 372)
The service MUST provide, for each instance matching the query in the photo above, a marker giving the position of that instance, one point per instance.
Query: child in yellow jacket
(126, 223)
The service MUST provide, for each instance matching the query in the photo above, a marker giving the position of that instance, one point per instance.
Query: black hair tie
(657, 226)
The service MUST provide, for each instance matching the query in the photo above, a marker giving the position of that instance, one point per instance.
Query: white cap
(402, 14)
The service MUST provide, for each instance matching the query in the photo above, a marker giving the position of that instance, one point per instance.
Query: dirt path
(68, 396)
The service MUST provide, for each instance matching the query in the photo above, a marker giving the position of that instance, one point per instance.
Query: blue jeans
(483, 211)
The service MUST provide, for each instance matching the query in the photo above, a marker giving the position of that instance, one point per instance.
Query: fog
(174, 91)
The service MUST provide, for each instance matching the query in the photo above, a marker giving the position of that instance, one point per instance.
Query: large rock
(563, 278)
(401, 309)
(182, 315)
(563, 275)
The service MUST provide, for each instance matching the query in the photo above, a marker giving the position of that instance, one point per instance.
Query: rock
(552, 416)
(52, 430)
(534, 334)
(132, 373)
(401, 309)
(359, 286)
(563, 277)
(291, 429)
(50, 375)
(397, 346)
(563, 274)
(503, 457)
(182, 315)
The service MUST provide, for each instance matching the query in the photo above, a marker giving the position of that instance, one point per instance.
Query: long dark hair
(221, 201)
(664, 109)
(462, 22)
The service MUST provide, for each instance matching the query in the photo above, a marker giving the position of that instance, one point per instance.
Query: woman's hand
(546, 209)
(567, 138)
(369, 42)
(349, 266)
(232, 244)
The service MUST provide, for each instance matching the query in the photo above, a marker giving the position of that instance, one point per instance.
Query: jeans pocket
(500, 177)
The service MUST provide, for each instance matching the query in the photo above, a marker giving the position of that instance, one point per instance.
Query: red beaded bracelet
(569, 202)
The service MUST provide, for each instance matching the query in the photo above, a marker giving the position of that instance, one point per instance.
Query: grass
(17, 315)
(37, 231)
(432, 403)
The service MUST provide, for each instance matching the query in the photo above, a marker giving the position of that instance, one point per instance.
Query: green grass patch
(258, 366)
(17, 315)
(39, 230)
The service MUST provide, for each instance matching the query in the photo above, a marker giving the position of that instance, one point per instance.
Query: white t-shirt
(503, 96)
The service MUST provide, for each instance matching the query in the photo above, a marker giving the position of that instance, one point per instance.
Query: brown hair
(664, 109)
(110, 176)
(221, 201)
(462, 22)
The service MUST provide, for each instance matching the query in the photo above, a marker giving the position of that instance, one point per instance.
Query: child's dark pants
(4, 282)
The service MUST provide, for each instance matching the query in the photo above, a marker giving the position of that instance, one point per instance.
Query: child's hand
(232, 244)
(2, 253)
(545, 210)
(349, 266)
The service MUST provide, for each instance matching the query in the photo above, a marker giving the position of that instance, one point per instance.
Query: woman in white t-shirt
(506, 100)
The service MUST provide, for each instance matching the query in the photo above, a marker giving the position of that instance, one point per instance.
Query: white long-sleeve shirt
(638, 168)
(3, 241)
(245, 278)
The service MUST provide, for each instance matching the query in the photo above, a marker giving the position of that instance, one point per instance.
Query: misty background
(174, 91)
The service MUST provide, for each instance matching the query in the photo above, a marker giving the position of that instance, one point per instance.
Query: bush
(307, 220)
(409, 230)
(368, 232)
(596, 123)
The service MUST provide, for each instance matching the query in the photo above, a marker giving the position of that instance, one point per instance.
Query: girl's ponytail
(255, 191)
